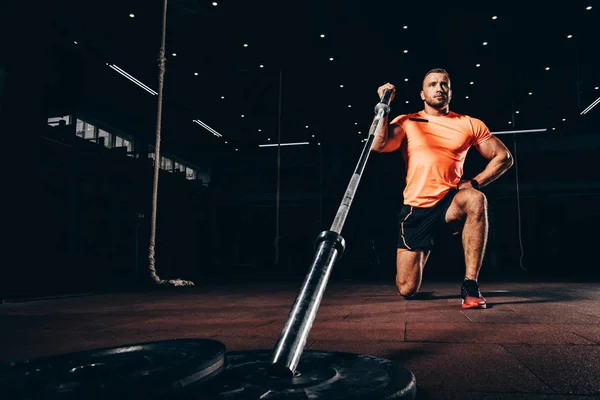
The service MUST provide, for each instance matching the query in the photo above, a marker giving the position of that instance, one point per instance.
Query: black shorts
(418, 226)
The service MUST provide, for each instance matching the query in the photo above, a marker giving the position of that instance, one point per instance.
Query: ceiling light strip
(283, 144)
(208, 128)
(132, 79)
(590, 106)
(521, 131)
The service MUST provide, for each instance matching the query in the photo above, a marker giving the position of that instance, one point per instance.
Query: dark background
(77, 214)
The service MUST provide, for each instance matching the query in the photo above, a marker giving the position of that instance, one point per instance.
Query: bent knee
(406, 290)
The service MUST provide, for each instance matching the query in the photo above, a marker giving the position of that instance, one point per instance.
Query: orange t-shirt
(434, 150)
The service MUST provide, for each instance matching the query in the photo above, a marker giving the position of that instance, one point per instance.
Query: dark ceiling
(506, 81)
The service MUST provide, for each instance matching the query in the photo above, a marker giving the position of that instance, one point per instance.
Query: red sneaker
(471, 296)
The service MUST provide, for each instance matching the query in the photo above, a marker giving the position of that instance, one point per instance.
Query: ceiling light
(222, 97)
(596, 87)
(466, 97)
(282, 144)
(470, 83)
(521, 131)
(405, 51)
(262, 66)
(516, 112)
(195, 73)
(405, 27)
(588, 108)
(341, 85)
(260, 130)
(588, 8)
(322, 35)
(132, 79)
(349, 105)
(208, 128)
(569, 36)
(131, 15)
(485, 43)
(405, 79)
(174, 54)
(215, 3)
(313, 135)
(564, 119)
(306, 126)
(236, 149)
(226, 142)
(330, 58)
(242, 115)
(356, 123)
(75, 41)
(530, 93)
(494, 17)
(268, 138)
(547, 68)
(478, 65)
(245, 44)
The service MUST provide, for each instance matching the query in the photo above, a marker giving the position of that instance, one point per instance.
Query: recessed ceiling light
(330, 58)
(174, 54)
(262, 66)
(359, 132)
(405, 79)
(195, 73)
(564, 119)
(569, 36)
(478, 65)
(597, 87)
(466, 97)
(509, 122)
(259, 130)
(341, 85)
(405, 27)
(322, 35)
(356, 123)
(547, 68)
(349, 105)
(75, 41)
(226, 142)
(530, 93)
(485, 43)
(215, 3)
(236, 149)
(588, 8)
(516, 112)
(245, 44)
(242, 115)
(313, 135)
(306, 126)
(494, 17)
(131, 15)
(268, 138)
(470, 83)
(405, 51)
(222, 97)
(406, 101)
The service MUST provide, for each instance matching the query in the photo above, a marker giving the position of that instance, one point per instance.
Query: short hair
(436, 71)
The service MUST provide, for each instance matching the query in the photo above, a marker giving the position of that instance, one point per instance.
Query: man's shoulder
(405, 117)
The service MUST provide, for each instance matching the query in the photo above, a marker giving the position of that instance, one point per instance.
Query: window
(107, 137)
(54, 120)
(85, 130)
(190, 173)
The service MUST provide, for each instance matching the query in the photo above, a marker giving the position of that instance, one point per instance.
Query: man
(434, 143)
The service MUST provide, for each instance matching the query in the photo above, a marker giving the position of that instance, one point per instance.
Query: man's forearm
(495, 169)
(381, 135)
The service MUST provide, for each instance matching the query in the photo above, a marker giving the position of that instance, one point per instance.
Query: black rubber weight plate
(137, 371)
(320, 375)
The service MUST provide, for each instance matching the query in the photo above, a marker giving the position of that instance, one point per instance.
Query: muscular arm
(387, 138)
(500, 160)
